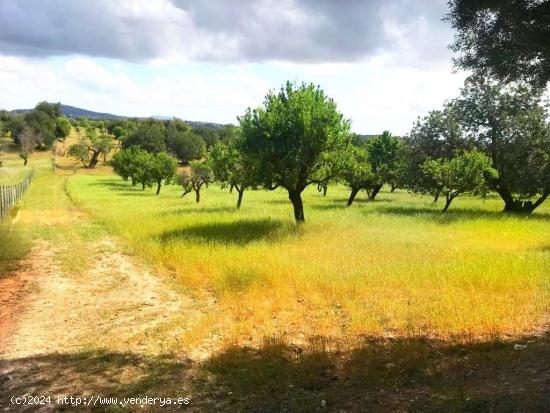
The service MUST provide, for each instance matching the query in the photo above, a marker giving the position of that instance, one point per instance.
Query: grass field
(392, 268)
(388, 305)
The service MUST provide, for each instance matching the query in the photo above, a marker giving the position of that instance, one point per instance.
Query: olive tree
(507, 39)
(91, 144)
(463, 173)
(510, 124)
(149, 135)
(183, 142)
(288, 136)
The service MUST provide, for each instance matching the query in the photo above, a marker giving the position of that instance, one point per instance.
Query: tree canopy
(288, 135)
(506, 39)
(465, 172)
(510, 124)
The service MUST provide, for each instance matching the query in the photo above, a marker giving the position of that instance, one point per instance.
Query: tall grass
(395, 267)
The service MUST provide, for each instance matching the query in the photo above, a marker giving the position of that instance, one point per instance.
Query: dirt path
(113, 301)
(60, 311)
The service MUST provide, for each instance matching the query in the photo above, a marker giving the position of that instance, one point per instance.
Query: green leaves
(143, 167)
(468, 171)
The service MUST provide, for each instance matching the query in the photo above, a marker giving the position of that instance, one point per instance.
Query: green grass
(12, 175)
(392, 268)
(14, 245)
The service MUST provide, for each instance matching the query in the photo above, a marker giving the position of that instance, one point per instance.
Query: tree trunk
(325, 190)
(354, 192)
(197, 195)
(393, 188)
(436, 197)
(374, 192)
(240, 199)
(94, 160)
(296, 199)
(158, 187)
(231, 189)
(448, 201)
(518, 206)
(25, 160)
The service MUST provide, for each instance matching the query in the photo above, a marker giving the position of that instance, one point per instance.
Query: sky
(384, 62)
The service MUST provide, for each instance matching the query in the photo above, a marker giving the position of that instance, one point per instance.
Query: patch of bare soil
(113, 304)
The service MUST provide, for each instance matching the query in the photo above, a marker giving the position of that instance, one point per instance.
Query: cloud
(300, 31)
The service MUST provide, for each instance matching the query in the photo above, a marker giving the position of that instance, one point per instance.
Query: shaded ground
(399, 376)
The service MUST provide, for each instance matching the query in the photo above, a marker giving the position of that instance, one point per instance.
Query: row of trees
(491, 137)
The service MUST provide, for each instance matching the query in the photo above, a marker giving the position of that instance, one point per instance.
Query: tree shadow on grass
(453, 214)
(198, 210)
(413, 375)
(240, 232)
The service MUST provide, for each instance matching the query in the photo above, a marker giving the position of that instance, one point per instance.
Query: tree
(439, 135)
(356, 172)
(149, 136)
(231, 168)
(383, 157)
(44, 120)
(506, 39)
(92, 143)
(509, 123)
(465, 172)
(288, 136)
(124, 164)
(200, 175)
(15, 127)
(62, 127)
(183, 142)
(133, 163)
(162, 168)
(28, 140)
(209, 135)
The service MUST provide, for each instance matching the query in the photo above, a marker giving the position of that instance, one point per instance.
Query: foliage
(511, 125)
(288, 136)
(144, 168)
(357, 173)
(149, 135)
(384, 152)
(200, 175)
(183, 142)
(231, 168)
(91, 144)
(506, 39)
(15, 126)
(44, 120)
(465, 172)
(62, 127)
(439, 135)
(121, 129)
(162, 167)
(209, 136)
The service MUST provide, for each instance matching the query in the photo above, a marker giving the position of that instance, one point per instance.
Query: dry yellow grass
(392, 268)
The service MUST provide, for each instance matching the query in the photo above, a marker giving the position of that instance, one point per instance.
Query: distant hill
(74, 112)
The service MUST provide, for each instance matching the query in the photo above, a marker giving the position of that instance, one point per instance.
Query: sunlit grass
(395, 267)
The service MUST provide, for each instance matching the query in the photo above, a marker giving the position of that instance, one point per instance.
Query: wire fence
(10, 194)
